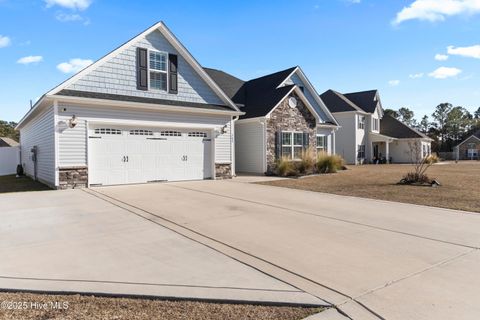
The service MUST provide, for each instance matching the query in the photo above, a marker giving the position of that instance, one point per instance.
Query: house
(147, 111)
(7, 142)
(367, 135)
(469, 148)
(283, 117)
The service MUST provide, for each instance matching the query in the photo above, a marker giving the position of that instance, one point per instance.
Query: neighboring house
(7, 142)
(367, 135)
(468, 149)
(146, 111)
(283, 117)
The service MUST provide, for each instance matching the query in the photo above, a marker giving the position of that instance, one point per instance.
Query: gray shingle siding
(295, 79)
(118, 76)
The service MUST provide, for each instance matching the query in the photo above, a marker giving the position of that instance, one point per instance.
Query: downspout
(232, 143)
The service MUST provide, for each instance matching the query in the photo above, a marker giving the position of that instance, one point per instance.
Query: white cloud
(416, 76)
(69, 4)
(4, 41)
(470, 52)
(65, 17)
(445, 72)
(436, 10)
(30, 59)
(441, 57)
(74, 65)
(393, 83)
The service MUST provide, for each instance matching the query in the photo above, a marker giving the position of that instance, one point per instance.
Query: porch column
(387, 151)
(333, 143)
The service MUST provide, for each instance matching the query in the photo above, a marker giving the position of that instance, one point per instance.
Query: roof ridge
(273, 74)
(348, 101)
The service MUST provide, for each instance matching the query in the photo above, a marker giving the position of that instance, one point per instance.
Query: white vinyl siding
(250, 153)
(73, 141)
(119, 76)
(348, 136)
(39, 132)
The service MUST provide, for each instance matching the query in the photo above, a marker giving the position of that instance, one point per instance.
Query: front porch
(380, 148)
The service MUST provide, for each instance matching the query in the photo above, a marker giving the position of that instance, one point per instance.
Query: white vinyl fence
(9, 159)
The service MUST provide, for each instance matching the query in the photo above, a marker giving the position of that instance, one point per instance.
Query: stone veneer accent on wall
(285, 118)
(223, 171)
(73, 177)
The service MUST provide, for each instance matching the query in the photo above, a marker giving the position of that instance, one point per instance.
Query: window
(321, 144)
(376, 124)
(158, 70)
(107, 131)
(141, 132)
(361, 151)
(361, 122)
(471, 146)
(170, 134)
(197, 134)
(424, 151)
(293, 144)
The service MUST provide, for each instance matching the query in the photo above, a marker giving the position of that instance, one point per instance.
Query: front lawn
(12, 184)
(460, 184)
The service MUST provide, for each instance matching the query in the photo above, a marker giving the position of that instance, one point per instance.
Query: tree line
(447, 125)
(7, 129)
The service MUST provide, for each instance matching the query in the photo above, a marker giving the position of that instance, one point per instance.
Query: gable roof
(230, 84)
(337, 102)
(8, 142)
(162, 28)
(475, 135)
(258, 97)
(389, 126)
(366, 100)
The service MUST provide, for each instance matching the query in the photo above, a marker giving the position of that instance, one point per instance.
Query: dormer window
(158, 70)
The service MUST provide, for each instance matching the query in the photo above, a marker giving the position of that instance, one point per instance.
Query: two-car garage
(123, 155)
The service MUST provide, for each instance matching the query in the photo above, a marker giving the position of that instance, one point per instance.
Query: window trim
(292, 144)
(324, 148)
(158, 71)
(363, 151)
(361, 124)
(375, 124)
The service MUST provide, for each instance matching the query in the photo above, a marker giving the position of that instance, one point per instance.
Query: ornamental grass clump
(329, 163)
(306, 165)
(285, 167)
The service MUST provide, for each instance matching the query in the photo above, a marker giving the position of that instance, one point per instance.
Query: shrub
(412, 177)
(431, 159)
(285, 167)
(307, 162)
(329, 163)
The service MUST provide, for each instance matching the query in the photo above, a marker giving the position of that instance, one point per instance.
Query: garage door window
(197, 134)
(107, 131)
(141, 132)
(170, 134)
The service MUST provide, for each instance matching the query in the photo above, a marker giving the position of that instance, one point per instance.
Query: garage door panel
(142, 155)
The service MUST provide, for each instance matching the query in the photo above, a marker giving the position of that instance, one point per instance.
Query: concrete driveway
(72, 241)
(373, 259)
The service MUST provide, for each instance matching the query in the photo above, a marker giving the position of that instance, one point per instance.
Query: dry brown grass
(84, 307)
(460, 184)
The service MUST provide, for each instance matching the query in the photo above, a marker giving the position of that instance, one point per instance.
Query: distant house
(7, 142)
(468, 149)
(367, 135)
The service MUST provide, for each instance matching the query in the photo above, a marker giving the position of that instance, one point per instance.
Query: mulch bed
(28, 306)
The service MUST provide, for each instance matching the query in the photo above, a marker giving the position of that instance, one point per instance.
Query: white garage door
(137, 155)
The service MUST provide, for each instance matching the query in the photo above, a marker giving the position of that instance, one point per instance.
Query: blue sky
(346, 45)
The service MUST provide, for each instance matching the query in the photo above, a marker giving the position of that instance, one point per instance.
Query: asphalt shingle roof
(8, 142)
(117, 97)
(364, 99)
(394, 128)
(337, 102)
(257, 96)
